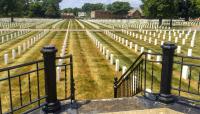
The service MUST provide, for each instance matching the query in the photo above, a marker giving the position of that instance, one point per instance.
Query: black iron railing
(163, 75)
(27, 87)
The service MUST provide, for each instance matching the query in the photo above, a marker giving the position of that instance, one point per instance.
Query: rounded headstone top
(169, 45)
(49, 48)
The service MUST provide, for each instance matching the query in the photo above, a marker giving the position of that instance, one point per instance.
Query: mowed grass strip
(151, 76)
(33, 54)
(93, 74)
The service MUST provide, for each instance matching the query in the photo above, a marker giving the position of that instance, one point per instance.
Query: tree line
(29, 8)
(117, 8)
(171, 9)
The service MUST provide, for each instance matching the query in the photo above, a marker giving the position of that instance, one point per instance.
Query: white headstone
(117, 65)
(131, 45)
(149, 40)
(58, 73)
(179, 49)
(6, 59)
(142, 50)
(185, 72)
(149, 55)
(183, 41)
(136, 47)
(189, 52)
(104, 50)
(158, 59)
(124, 69)
(107, 54)
(13, 54)
(19, 50)
(192, 43)
(111, 59)
(127, 43)
(155, 42)
(176, 40)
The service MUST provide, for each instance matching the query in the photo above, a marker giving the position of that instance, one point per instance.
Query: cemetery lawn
(93, 74)
(127, 56)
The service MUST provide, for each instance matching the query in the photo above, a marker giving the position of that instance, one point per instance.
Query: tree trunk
(12, 18)
(160, 21)
(186, 18)
(171, 22)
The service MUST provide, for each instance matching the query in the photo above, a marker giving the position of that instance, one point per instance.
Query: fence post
(166, 74)
(49, 56)
(72, 84)
(115, 87)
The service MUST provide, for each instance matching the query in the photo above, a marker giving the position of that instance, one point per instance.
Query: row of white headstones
(185, 71)
(47, 23)
(144, 22)
(24, 47)
(62, 54)
(109, 56)
(11, 36)
(192, 41)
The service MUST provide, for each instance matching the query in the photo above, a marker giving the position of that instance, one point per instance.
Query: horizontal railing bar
(15, 76)
(184, 56)
(63, 65)
(64, 57)
(185, 91)
(154, 61)
(31, 110)
(21, 65)
(30, 103)
(188, 64)
(29, 63)
(65, 99)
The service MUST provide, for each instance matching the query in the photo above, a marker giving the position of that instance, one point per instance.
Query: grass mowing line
(156, 75)
(9, 48)
(95, 67)
(48, 40)
(31, 55)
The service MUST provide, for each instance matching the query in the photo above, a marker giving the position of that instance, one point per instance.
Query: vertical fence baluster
(10, 92)
(0, 105)
(180, 80)
(199, 83)
(152, 76)
(141, 75)
(29, 87)
(190, 76)
(72, 80)
(38, 83)
(20, 91)
(135, 77)
(65, 82)
(115, 87)
(145, 71)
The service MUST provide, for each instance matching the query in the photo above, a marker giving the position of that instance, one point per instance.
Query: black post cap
(169, 45)
(49, 48)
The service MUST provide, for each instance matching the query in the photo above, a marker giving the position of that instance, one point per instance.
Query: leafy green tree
(119, 8)
(88, 7)
(35, 10)
(11, 8)
(160, 9)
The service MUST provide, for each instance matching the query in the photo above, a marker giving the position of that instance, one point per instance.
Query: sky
(79, 3)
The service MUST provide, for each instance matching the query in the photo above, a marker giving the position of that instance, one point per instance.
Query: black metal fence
(166, 75)
(27, 87)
